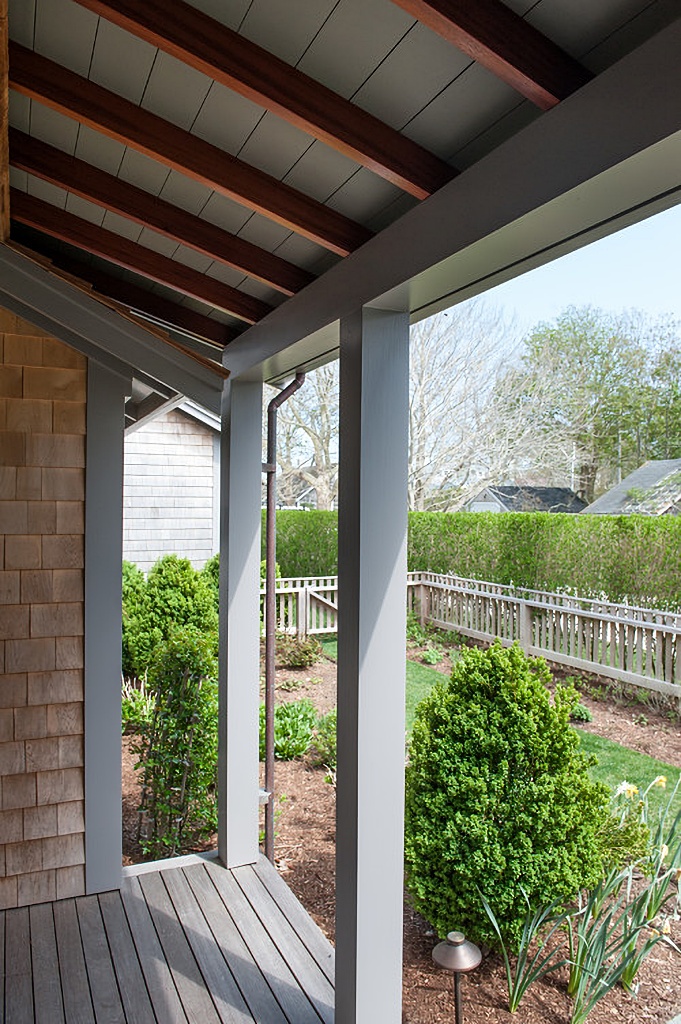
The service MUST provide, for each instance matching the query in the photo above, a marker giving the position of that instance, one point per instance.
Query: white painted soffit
(98, 331)
(605, 157)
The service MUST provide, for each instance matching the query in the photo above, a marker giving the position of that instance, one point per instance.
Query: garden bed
(305, 849)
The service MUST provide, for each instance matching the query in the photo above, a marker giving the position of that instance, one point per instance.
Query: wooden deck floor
(196, 944)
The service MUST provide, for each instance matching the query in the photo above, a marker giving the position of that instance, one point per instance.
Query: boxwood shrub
(498, 797)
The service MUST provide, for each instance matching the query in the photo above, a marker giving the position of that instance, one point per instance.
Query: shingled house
(654, 489)
(512, 498)
(197, 207)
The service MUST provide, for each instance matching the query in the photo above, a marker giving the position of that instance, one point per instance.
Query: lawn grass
(615, 762)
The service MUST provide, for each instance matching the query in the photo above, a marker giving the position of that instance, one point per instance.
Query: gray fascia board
(566, 179)
(98, 331)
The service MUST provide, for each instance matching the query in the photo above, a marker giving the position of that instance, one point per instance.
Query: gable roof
(652, 489)
(538, 499)
(154, 159)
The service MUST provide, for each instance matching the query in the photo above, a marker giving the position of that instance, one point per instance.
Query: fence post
(423, 604)
(525, 625)
(301, 611)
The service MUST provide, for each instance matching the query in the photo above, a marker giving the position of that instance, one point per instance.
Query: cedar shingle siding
(170, 491)
(42, 480)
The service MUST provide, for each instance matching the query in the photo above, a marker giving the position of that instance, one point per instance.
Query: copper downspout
(270, 601)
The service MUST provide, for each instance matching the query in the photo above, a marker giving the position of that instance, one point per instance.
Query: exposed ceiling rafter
(147, 304)
(4, 122)
(229, 58)
(124, 253)
(118, 118)
(91, 183)
(507, 45)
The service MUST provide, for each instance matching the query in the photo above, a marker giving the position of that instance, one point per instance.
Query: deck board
(106, 998)
(19, 988)
(188, 944)
(49, 1005)
(160, 985)
(282, 981)
(134, 995)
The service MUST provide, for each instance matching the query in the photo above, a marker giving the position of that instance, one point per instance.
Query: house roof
(538, 499)
(245, 173)
(652, 489)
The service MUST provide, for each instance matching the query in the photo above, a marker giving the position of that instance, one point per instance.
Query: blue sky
(638, 268)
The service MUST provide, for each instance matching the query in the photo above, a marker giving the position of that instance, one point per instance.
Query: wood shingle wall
(170, 491)
(42, 479)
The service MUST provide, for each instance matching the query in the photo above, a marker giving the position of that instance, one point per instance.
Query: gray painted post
(371, 666)
(240, 521)
(103, 555)
(525, 626)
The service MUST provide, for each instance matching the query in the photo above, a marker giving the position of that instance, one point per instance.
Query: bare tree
(307, 441)
(456, 358)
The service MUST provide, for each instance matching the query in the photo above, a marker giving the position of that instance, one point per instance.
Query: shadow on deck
(189, 944)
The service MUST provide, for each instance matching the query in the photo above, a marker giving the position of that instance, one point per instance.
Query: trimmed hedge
(635, 558)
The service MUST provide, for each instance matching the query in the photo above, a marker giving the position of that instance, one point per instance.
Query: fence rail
(641, 646)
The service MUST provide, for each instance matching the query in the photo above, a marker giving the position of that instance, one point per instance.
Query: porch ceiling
(203, 163)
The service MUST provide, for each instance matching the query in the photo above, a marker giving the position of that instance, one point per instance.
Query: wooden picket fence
(641, 646)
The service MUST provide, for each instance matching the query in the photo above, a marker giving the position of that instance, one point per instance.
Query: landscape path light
(459, 956)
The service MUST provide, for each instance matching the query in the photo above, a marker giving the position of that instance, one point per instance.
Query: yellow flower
(627, 789)
(660, 781)
(664, 851)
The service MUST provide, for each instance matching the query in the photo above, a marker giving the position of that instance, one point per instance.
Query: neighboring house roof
(654, 489)
(533, 499)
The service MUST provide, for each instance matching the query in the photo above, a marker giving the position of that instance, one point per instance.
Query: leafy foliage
(137, 705)
(297, 651)
(307, 542)
(134, 583)
(632, 557)
(498, 797)
(294, 723)
(178, 748)
(173, 594)
(324, 743)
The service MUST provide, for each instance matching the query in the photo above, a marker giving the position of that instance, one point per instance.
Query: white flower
(627, 789)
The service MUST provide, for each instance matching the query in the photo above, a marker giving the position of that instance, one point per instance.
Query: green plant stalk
(527, 972)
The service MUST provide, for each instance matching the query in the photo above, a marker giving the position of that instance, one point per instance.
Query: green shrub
(294, 724)
(174, 594)
(137, 705)
(581, 713)
(297, 651)
(498, 797)
(134, 583)
(178, 747)
(324, 741)
(307, 542)
(634, 558)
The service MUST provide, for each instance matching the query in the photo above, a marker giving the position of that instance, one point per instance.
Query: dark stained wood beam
(139, 300)
(105, 112)
(67, 172)
(4, 123)
(124, 253)
(215, 50)
(503, 42)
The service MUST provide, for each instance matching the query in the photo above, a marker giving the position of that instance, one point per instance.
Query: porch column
(106, 395)
(372, 564)
(240, 518)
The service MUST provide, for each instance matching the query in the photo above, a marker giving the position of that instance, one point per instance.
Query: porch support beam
(240, 522)
(372, 565)
(106, 396)
(4, 122)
